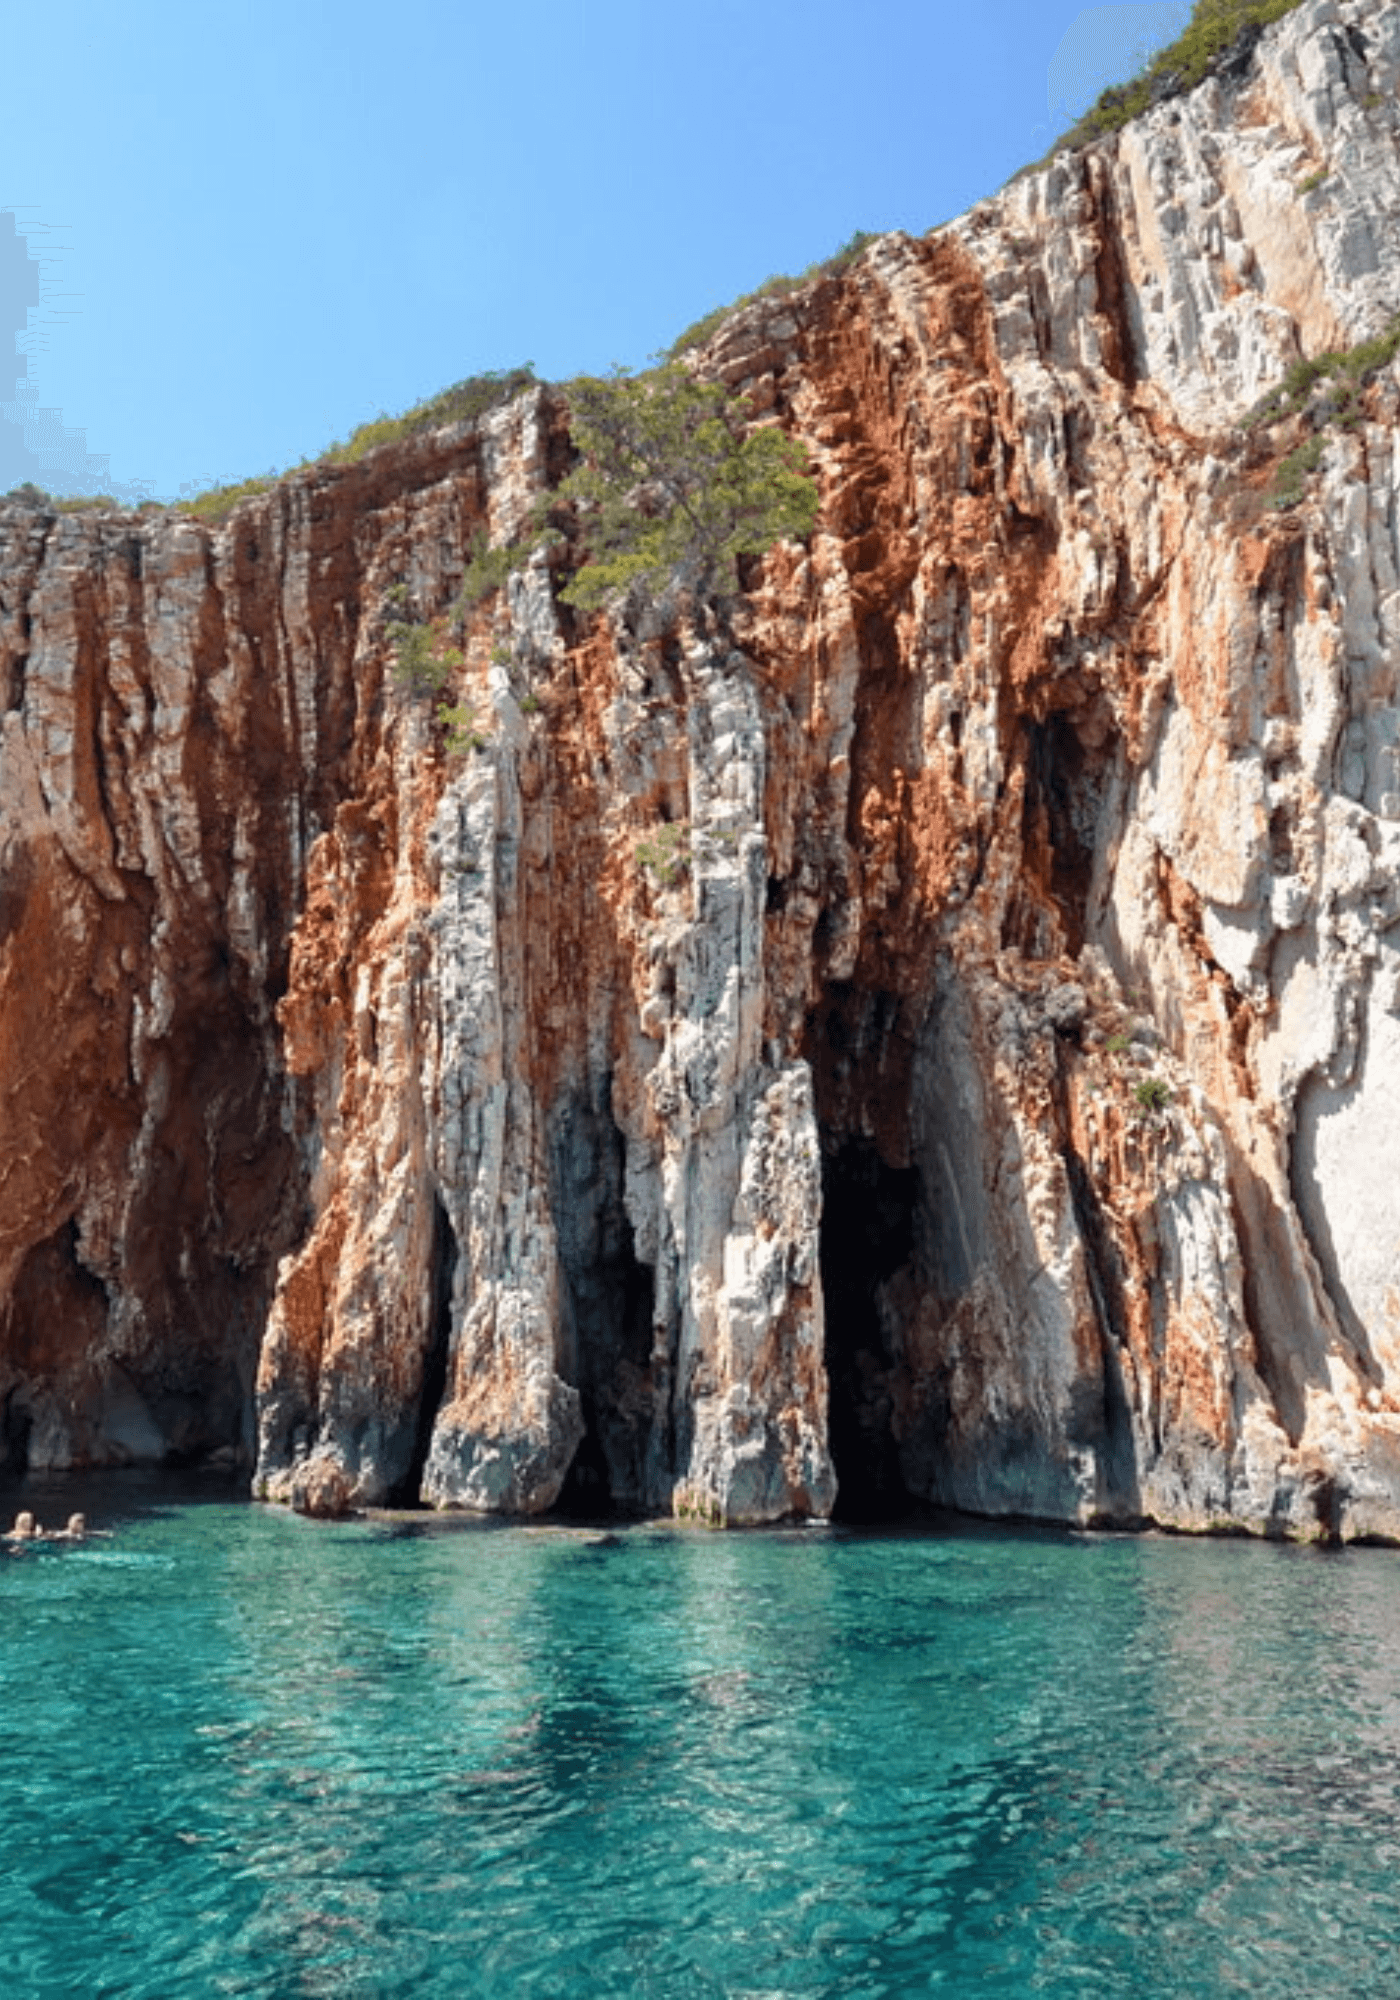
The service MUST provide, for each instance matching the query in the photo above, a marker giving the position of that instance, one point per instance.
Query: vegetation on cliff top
(673, 478)
(1213, 30)
(465, 402)
(28, 494)
(1216, 27)
(470, 400)
(776, 287)
(672, 483)
(219, 502)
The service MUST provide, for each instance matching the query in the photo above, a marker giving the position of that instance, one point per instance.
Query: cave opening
(608, 1306)
(867, 1236)
(16, 1423)
(1065, 780)
(607, 1477)
(444, 1254)
(586, 1494)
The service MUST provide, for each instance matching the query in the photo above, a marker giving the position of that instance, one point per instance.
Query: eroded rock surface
(935, 1037)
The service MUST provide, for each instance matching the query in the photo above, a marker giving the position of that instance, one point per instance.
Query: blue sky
(262, 225)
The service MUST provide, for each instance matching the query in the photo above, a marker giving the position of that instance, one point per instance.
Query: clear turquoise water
(246, 1754)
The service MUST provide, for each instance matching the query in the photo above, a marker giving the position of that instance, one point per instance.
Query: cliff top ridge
(1219, 46)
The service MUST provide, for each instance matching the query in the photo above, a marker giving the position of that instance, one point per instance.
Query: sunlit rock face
(931, 1038)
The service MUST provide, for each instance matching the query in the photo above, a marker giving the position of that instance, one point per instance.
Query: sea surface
(242, 1753)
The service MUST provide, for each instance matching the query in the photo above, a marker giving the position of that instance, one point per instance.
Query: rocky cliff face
(937, 1040)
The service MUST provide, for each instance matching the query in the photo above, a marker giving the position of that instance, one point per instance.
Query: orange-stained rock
(323, 1489)
(934, 1037)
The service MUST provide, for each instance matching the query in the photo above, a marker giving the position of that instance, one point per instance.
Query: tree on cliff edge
(673, 483)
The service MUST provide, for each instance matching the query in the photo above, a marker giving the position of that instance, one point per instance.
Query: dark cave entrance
(1065, 783)
(408, 1491)
(621, 1298)
(867, 1235)
(16, 1423)
(56, 1319)
(586, 1494)
(609, 1300)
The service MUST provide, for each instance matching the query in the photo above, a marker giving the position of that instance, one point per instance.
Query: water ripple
(239, 1755)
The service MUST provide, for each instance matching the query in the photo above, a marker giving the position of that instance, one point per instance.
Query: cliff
(934, 1039)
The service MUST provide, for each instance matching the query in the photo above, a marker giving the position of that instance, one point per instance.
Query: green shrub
(1152, 1095)
(1118, 1045)
(219, 502)
(424, 662)
(488, 570)
(1362, 361)
(1214, 28)
(460, 733)
(1346, 371)
(1290, 481)
(1314, 181)
(832, 266)
(464, 402)
(665, 854)
(424, 666)
(33, 495)
(671, 476)
(83, 503)
(699, 332)
(776, 287)
(506, 656)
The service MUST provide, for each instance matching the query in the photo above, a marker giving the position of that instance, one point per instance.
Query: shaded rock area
(928, 1039)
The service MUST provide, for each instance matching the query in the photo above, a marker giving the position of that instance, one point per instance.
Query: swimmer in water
(27, 1529)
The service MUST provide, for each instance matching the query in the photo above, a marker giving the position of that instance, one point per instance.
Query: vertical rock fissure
(17, 675)
(445, 1254)
(16, 1423)
(1120, 1498)
(1114, 295)
(1264, 1283)
(1062, 802)
(609, 1303)
(607, 1475)
(867, 1236)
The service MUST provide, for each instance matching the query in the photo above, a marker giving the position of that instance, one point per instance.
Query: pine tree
(674, 483)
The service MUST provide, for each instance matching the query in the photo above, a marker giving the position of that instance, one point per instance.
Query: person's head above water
(77, 1527)
(25, 1527)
